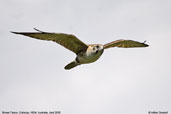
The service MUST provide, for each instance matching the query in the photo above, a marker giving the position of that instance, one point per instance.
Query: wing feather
(69, 41)
(125, 44)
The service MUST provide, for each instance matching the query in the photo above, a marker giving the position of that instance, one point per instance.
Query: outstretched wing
(69, 41)
(125, 44)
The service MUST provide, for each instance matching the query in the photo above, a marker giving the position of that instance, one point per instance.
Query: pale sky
(122, 81)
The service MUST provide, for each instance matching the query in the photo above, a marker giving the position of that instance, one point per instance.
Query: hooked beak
(97, 51)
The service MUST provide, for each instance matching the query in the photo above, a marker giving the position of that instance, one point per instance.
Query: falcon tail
(71, 65)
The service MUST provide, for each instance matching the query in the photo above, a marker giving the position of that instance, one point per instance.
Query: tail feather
(71, 65)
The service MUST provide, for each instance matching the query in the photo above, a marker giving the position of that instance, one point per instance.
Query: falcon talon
(84, 53)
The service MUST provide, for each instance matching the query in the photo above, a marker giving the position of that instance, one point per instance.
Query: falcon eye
(97, 46)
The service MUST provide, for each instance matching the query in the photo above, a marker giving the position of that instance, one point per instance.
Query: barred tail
(71, 65)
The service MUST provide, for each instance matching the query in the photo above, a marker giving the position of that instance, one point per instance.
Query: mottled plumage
(85, 53)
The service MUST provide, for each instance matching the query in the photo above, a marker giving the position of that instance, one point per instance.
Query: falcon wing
(125, 44)
(69, 41)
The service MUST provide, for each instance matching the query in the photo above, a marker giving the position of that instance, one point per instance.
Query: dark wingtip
(146, 45)
(14, 32)
(38, 30)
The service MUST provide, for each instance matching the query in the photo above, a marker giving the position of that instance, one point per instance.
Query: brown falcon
(85, 53)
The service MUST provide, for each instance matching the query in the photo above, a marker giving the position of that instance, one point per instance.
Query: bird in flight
(85, 53)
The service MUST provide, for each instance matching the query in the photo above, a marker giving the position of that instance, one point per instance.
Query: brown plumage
(125, 44)
(85, 53)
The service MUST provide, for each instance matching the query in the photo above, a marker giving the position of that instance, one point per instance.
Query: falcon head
(95, 48)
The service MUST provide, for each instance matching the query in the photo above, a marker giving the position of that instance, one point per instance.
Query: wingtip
(146, 45)
(38, 30)
(14, 32)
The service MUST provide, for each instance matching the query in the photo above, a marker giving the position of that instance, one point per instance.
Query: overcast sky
(122, 81)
